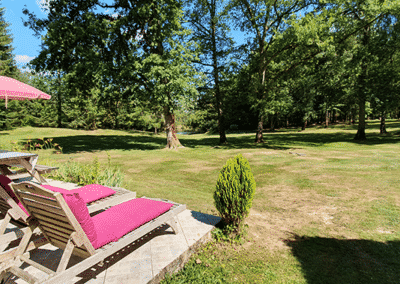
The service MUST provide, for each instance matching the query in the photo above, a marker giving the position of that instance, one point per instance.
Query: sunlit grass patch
(341, 199)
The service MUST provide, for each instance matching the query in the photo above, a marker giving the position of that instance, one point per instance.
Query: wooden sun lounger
(15, 215)
(66, 233)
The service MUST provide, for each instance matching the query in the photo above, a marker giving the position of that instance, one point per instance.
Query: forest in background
(167, 61)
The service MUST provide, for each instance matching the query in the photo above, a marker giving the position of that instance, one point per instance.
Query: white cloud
(43, 5)
(23, 58)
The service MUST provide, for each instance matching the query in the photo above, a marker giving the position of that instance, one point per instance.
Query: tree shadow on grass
(90, 143)
(336, 261)
(277, 141)
(242, 142)
(285, 140)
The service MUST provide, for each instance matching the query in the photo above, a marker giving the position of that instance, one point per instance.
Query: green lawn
(329, 216)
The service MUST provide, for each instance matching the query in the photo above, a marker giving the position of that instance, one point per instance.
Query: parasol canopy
(11, 89)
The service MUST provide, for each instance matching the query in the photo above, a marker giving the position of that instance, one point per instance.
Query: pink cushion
(56, 189)
(93, 192)
(88, 193)
(81, 213)
(123, 218)
(4, 181)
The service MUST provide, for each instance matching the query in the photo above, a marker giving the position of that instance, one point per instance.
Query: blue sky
(26, 45)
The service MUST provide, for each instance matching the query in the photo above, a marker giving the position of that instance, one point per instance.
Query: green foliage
(42, 143)
(7, 62)
(83, 174)
(234, 193)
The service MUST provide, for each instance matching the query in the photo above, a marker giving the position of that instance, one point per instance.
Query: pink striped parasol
(11, 89)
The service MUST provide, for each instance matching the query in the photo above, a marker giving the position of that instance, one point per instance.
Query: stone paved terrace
(144, 261)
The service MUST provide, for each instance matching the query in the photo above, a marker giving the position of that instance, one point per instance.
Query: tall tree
(143, 50)
(210, 30)
(362, 19)
(266, 20)
(8, 65)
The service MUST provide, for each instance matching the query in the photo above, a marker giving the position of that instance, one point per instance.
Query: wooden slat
(56, 222)
(81, 252)
(24, 275)
(4, 208)
(58, 230)
(3, 202)
(111, 200)
(46, 213)
(32, 188)
(38, 198)
(55, 236)
(44, 169)
(18, 176)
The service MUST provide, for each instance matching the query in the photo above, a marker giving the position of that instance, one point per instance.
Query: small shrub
(83, 174)
(234, 193)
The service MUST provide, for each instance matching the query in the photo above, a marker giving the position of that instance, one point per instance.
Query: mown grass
(329, 216)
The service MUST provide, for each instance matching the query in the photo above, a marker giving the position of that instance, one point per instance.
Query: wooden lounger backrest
(56, 220)
(9, 206)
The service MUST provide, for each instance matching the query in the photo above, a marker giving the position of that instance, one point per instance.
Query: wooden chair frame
(14, 214)
(64, 232)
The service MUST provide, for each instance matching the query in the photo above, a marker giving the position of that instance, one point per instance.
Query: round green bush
(234, 192)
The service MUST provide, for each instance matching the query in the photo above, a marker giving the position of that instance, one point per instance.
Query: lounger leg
(25, 240)
(173, 224)
(66, 256)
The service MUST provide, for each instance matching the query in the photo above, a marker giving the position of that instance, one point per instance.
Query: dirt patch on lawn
(291, 211)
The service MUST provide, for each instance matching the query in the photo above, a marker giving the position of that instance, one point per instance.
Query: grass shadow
(91, 143)
(285, 140)
(336, 261)
(319, 139)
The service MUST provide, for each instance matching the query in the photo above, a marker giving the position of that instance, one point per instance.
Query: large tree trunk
(172, 140)
(272, 122)
(304, 125)
(361, 91)
(383, 124)
(221, 120)
(326, 118)
(59, 109)
(361, 121)
(259, 134)
(59, 105)
(261, 88)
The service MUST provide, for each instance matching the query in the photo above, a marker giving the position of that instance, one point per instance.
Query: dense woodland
(167, 61)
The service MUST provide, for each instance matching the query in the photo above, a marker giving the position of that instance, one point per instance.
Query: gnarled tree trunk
(172, 140)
